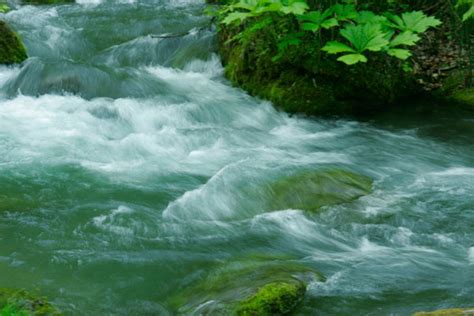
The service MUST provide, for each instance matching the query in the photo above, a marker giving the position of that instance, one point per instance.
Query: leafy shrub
(358, 31)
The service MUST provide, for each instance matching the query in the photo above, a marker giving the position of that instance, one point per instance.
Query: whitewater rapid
(129, 166)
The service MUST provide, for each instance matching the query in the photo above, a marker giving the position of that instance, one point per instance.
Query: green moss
(227, 285)
(278, 298)
(12, 50)
(305, 81)
(20, 302)
(464, 97)
(448, 312)
(310, 190)
(13, 310)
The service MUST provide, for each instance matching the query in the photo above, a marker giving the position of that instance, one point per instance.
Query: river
(128, 162)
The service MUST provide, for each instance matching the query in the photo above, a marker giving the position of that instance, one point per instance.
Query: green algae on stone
(448, 312)
(12, 50)
(277, 298)
(310, 190)
(304, 80)
(464, 97)
(222, 291)
(19, 302)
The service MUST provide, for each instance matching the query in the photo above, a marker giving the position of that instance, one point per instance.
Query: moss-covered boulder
(448, 312)
(277, 298)
(305, 80)
(312, 189)
(12, 50)
(465, 97)
(21, 303)
(254, 286)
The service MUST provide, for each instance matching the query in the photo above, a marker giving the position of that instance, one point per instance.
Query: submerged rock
(12, 50)
(256, 286)
(277, 298)
(20, 302)
(448, 312)
(310, 190)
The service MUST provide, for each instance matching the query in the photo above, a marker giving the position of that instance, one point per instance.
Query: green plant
(367, 37)
(469, 13)
(315, 20)
(416, 22)
(4, 8)
(360, 32)
(245, 9)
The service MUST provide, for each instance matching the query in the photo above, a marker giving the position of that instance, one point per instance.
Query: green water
(130, 170)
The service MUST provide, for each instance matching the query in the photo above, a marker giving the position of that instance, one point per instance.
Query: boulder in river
(311, 190)
(254, 286)
(20, 302)
(277, 298)
(448, 312)
(12, 50)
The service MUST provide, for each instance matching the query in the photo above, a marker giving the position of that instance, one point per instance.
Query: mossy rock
(21, 303)
(277, 298)
(305, 80)
(12, 50)
(272, 286)
(310, 190)
(465, 97)
(448, 312)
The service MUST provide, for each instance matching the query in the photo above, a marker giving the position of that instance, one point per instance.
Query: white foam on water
(470, 255)
(7, 73)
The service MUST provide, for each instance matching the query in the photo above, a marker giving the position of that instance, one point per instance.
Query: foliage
(469, 13)
(12, 310)
(359, 32)
(245, 9)
(4, 8)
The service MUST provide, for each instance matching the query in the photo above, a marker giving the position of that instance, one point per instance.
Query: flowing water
(129, 167)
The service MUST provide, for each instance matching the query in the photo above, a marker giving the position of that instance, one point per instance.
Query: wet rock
(277, 298)
(20, 302)
(256, 286)
(12, 50)
(310, 190)
(448, 312)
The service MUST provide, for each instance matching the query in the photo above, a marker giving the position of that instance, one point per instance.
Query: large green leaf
(364, 17)
(236, 16)
(315, 20)
(469, 14)
(334, 47)
(405, 38)
(345, 12)
(352, 59)
(365, 37)
(295, 7)
(399, 53)
(415, 21)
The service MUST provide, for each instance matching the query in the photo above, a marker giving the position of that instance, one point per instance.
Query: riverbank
(306, 80)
